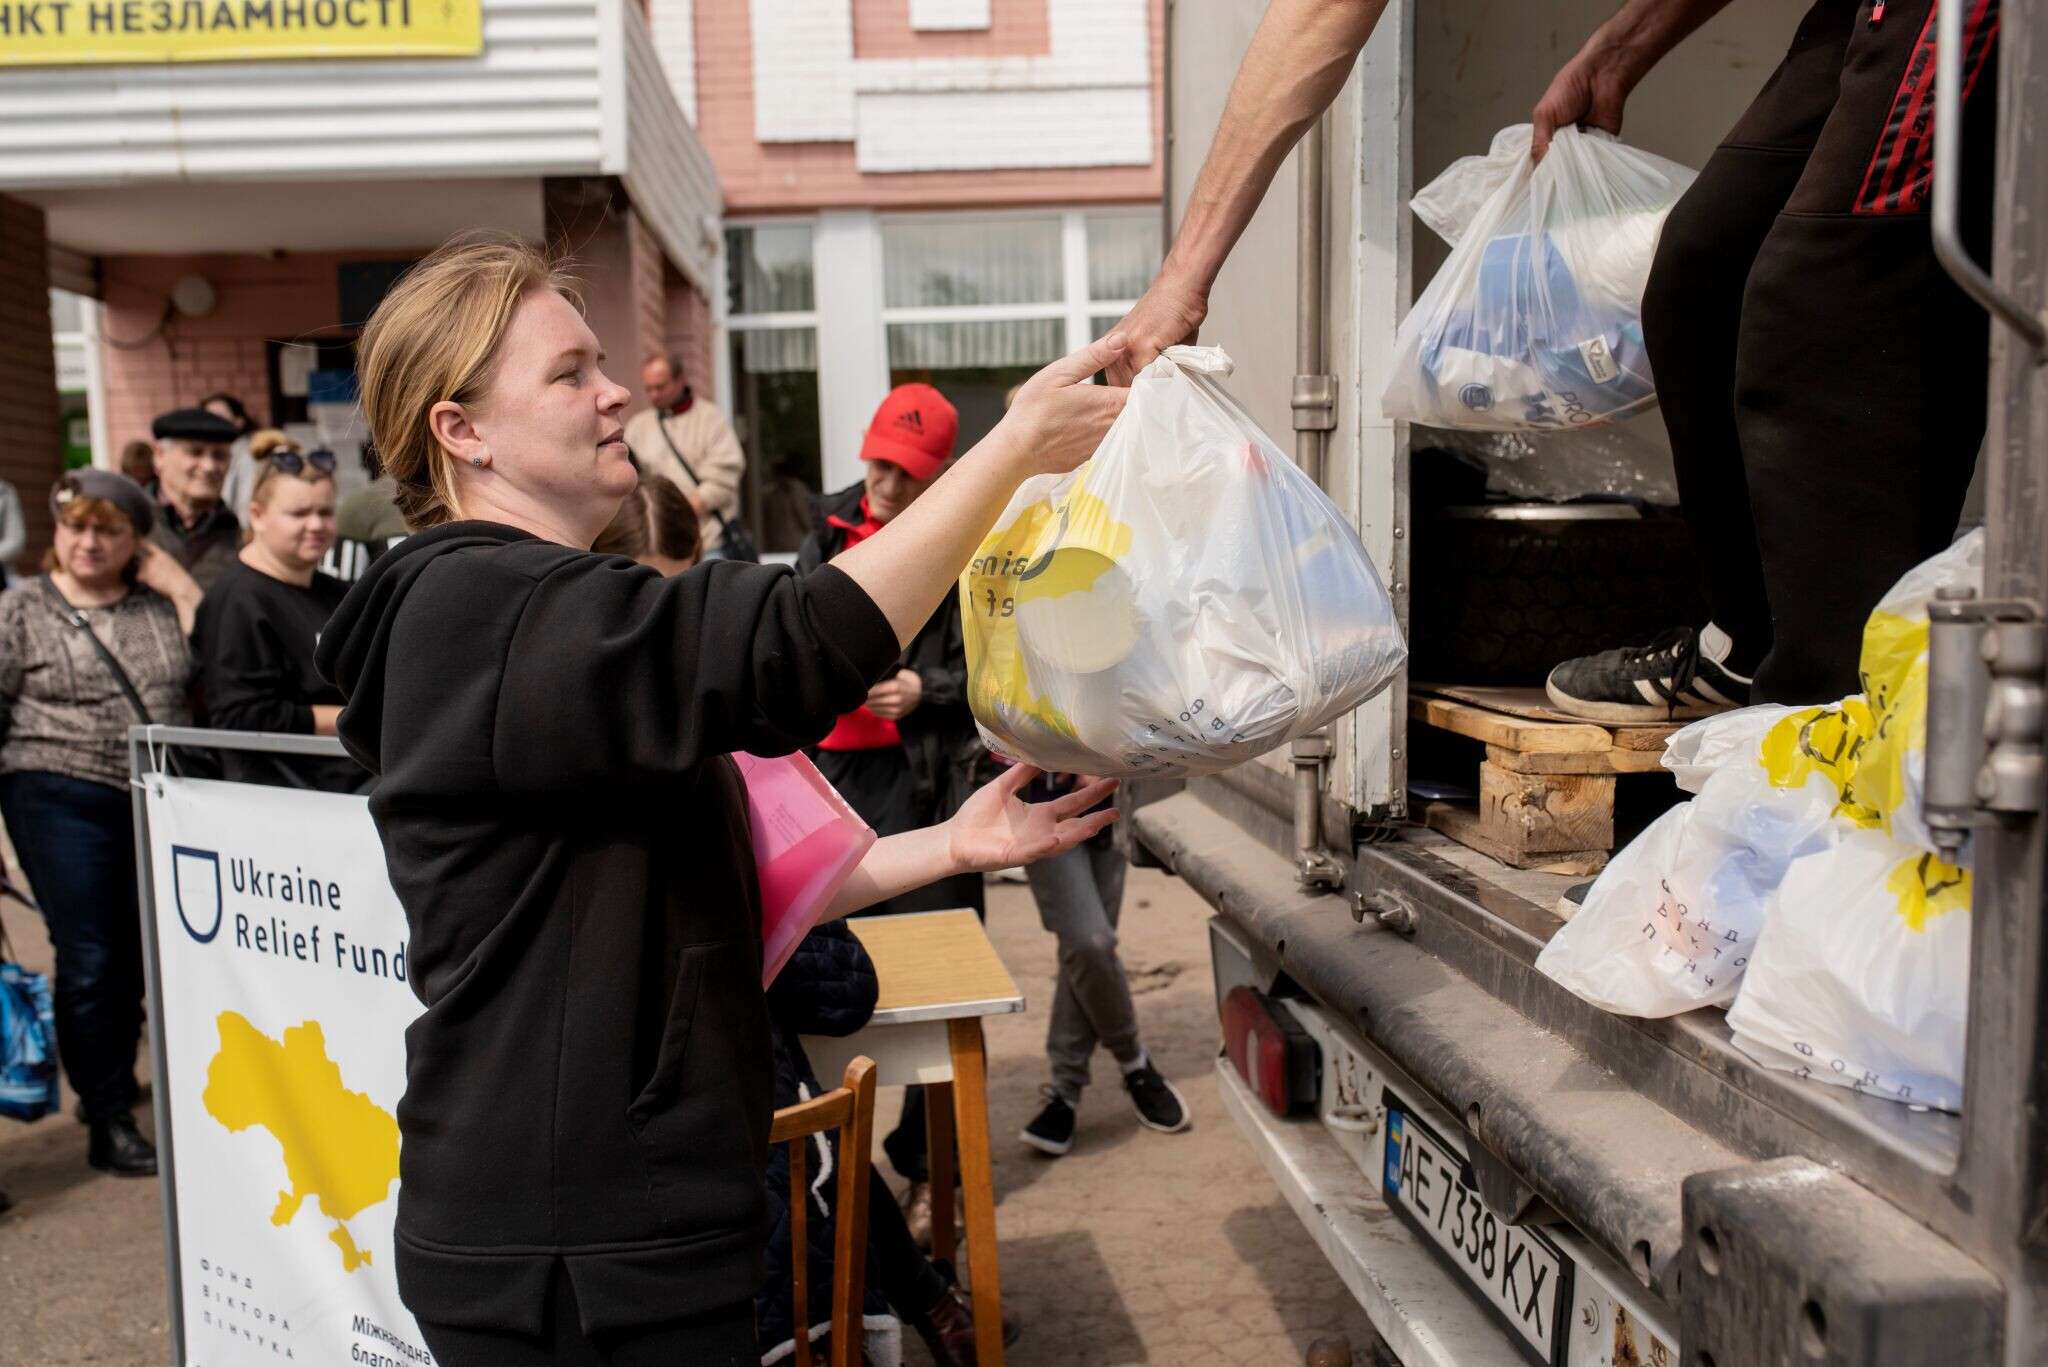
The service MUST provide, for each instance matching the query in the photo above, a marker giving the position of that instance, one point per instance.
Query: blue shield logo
(195, 886)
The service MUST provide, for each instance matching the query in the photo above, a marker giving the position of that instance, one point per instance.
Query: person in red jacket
(909, 755)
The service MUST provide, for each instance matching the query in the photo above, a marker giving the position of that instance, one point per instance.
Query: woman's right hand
(1059, 418)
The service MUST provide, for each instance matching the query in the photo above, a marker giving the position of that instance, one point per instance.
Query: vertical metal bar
(1166, 131)
(1948, 192)
(1310, 283)
(1313, 401)
(2002, 1171)
(142, 768)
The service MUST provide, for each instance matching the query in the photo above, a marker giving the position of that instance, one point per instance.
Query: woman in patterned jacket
(88, 648)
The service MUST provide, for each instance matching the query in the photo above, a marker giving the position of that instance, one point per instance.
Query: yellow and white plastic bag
(1182, 602)
(1673, 919)
(1862, 975)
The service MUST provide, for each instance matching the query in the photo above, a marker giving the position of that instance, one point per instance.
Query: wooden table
(939, 976)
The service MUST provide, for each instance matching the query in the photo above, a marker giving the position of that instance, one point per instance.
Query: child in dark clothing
(828, 988)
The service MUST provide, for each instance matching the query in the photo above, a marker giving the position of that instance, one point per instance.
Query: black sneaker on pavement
(1677, 677)
(1051, 1131)
(1160, 1107)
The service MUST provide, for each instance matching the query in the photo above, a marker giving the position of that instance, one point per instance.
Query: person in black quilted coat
(828, 987)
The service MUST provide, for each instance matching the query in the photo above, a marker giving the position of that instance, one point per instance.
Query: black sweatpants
(721, 1338)
(1822, 379)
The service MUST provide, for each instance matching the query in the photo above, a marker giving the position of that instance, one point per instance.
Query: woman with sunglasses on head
(258, 624)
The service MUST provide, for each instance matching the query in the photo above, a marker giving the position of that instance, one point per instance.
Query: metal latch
(1987, 665)
(1314, 403)
(1314, 866)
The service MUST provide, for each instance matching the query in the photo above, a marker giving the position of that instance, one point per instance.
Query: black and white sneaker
(1051, 1131)
(1677, 677)
(1159, 1105)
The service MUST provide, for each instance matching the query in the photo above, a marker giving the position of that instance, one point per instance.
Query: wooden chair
(850, 1109)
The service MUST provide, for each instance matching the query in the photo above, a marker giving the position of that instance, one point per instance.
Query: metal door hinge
(1987, 675)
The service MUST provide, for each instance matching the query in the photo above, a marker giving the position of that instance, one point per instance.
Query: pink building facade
(953, 191)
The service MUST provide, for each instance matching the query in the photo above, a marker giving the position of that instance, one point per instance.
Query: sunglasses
(294, 462)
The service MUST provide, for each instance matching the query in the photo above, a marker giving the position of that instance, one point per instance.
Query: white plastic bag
(1185, 600)
(1887, 786)
(1861, 977)
(1694, 753)
(1535, 321)
(1671, 922)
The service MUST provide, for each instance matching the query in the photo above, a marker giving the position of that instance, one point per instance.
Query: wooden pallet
(1546, 786)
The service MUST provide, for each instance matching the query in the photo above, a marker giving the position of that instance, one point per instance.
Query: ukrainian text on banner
(60, 32)
(281, 952)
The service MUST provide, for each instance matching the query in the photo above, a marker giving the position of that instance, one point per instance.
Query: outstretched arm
(1056, 423)
(994, 829)
(1297, 63)
(1594, 85)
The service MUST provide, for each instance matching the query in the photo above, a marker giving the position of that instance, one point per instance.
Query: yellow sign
(76, 32)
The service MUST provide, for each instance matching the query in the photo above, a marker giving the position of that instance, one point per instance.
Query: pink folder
(807, 843)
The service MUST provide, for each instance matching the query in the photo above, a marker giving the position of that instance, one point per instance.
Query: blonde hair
(263, 444)
(435, 338)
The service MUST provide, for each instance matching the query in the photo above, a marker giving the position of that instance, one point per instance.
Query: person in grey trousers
(1080, 899)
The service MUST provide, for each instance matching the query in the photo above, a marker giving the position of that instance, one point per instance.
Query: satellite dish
(193, 296)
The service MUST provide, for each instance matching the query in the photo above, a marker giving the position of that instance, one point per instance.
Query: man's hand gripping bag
(1182, 602)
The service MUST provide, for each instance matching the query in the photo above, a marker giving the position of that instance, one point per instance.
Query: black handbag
(736, 541)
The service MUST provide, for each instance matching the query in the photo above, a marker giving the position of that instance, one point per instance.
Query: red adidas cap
(915, 428)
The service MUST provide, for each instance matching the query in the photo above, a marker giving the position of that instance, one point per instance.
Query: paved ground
(1135, 1248)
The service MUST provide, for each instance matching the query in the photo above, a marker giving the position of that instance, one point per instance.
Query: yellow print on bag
(1828, 741)
(1928, 886)
(1052, 549)
(1894, 673)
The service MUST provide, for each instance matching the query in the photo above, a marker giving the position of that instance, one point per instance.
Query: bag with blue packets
(1534, 323)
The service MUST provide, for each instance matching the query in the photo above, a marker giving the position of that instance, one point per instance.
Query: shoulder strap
(77, 619)
(661, 425)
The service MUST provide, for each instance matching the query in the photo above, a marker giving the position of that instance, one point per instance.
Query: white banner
(284, 1005)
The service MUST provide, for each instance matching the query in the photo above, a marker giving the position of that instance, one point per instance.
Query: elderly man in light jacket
(689, 441)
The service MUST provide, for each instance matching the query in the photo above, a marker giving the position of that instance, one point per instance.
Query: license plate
(1521, 1274)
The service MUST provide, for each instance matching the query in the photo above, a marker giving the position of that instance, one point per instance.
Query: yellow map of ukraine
(339, 1146)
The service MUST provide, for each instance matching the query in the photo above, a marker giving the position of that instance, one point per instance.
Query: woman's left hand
(996, 829)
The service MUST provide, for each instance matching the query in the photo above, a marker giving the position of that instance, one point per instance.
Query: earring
(476, 460)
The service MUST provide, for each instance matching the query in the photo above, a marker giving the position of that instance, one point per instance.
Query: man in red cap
(911, 755)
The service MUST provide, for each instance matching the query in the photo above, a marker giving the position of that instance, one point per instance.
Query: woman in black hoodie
(587, 1097)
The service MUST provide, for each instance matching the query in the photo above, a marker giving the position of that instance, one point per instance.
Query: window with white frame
(773, 334)
(971, 303)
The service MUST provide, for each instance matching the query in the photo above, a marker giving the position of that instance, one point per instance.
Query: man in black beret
(193, 525)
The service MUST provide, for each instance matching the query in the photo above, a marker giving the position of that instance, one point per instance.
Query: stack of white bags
(1800, 887)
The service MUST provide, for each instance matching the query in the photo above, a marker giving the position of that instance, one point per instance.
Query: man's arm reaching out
(1298, 61)
(1592, 87)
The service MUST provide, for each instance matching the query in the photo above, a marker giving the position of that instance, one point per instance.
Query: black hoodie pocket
(701, 1119)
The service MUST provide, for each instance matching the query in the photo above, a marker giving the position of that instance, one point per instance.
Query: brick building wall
(686, 330)
(797, 176)
(151, 364)
(31, 444)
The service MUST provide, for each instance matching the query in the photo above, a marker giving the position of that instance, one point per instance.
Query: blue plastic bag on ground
(28, 1044)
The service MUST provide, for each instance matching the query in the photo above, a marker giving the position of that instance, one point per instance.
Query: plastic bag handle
(1208, 360)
